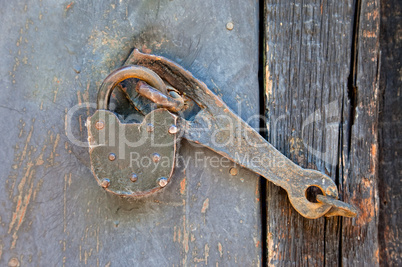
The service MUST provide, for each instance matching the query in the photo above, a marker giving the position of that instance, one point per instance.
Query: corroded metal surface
(218, 128)
(128, 172)
(242, 144)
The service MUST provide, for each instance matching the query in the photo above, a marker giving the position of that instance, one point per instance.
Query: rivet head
(233, 171)
(230, 26)
(162, 181)
(100, 125)
(105, 183)
(133, 177)
(150, 128)
(112, 156)
(13, 262)
(173, 129)
(156, 157)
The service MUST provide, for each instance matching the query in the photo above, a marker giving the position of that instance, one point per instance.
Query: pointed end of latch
(339, 208)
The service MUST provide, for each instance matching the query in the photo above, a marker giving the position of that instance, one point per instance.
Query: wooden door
(324, 84)
(311, 68)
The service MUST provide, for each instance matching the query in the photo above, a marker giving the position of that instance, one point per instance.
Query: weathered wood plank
(310, 108)
(307, 61)
(52, 211)
(390, 128)
(359, 147)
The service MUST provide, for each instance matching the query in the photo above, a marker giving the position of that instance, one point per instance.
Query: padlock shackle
(123, 73)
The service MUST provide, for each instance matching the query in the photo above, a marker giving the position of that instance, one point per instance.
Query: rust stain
(373, 158)
(219, 103)
(372, 15)
(23, 199)
(24, 151)
(220, 249)
(369, 34)
(205, 205)
(39, 160)
(97, 239)
(179, 235)
(185, 240)
(268, 84)
(80, 122)
(271, 248)
(183, 186)
(79, 98)
(69, 6)
(38, 187)
(206, 255)
(146, 50)
(377, 255)
(185, 236)
(366, 208)
(21, 130)
(65, 203)
(27, 190)
(57, 81)
(51, 158)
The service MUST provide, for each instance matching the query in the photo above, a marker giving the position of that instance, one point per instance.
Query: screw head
(13, 262)
(112, 156)
(230, 26)
(173, 129)
(163, 181)
(150, 128)
(134, 177)
(156, 157)
(99, 125)
(233, 171)
(105, 183)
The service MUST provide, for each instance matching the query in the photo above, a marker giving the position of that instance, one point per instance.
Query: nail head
(112, 156)
(156, 157)
(173, 129)
(233, 171)
(162, 182)
(105, 183)
(99, 125)
(134, 177)
(230, 26)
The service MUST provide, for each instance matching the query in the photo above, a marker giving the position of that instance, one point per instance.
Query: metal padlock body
(130, 159)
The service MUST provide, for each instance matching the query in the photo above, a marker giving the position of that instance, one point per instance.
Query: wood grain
(390, 128)
(359, 162)
(321, 109)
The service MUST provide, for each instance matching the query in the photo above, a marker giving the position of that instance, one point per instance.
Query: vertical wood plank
(359, 164)
(307, 65)
(321, 108)
(390, 128)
